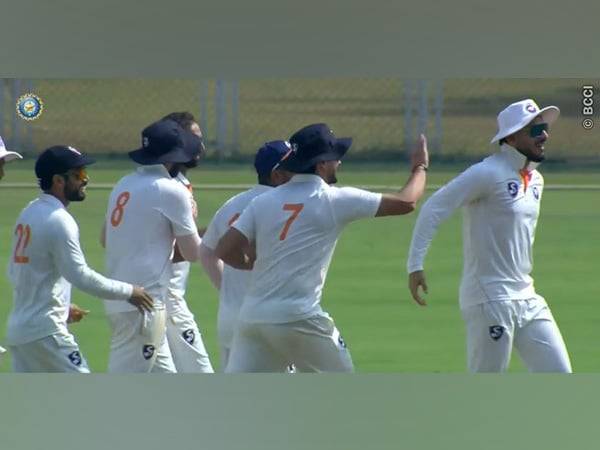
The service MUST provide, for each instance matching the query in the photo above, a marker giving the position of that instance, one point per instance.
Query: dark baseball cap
(313, 144)
(60, 159)
(166, 141)
(269, 156)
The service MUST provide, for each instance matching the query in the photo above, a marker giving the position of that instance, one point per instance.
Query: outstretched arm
(212, 265)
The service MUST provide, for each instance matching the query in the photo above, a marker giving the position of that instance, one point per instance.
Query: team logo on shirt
(148, 351)
(75, 358)
(536, 193)
(496, 332)
(341, 341)
(513, 188)
(189, 336)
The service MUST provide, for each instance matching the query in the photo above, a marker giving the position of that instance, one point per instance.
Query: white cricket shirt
(295, 227)
(501, 208)
(45, 259)
(179, 271)
(234, 282)
(147, 209)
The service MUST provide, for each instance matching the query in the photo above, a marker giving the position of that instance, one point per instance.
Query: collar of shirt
(306, 177)
(154, 168)
(261, 188)
(49, 198)
(516, 159)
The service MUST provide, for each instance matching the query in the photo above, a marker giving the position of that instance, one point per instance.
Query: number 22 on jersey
(23, 237)
(116, 217)
(295, 209)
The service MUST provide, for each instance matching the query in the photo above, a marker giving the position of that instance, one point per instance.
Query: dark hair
(45, 183)
(184, 119)
(264, 179)
(310, 170)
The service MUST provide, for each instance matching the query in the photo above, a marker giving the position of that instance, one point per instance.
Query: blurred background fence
(384, 116)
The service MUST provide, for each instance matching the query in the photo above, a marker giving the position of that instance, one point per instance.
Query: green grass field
(366, 287)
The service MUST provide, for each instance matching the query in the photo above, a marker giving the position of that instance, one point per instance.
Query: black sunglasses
(538, 129)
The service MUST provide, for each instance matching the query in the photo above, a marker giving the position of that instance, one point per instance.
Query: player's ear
(58, 180)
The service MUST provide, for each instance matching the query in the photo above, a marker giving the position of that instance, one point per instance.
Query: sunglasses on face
(538, 129)
(79, 174)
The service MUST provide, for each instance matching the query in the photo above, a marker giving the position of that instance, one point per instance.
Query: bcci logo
(75, 358)
(530, 108)
(496, 332)
(29, 106)
(513, 188)
(148, 351)
(536, 193)
(189, 336)
(341, 341)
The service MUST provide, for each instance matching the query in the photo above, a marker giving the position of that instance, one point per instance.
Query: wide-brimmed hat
(313, 144)
(166, 141)
(517, 115)
(7, 155)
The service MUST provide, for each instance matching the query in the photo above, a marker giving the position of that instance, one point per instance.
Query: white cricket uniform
(46, 259)
(183, 335)
(497, 297)
(147, 210)
(295, 227)
(234, 283)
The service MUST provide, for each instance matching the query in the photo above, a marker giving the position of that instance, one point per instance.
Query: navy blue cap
(313, 144)
(269, 156)
(60, 159)
(166, 141)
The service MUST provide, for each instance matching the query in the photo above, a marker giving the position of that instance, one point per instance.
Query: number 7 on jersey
(295, 208)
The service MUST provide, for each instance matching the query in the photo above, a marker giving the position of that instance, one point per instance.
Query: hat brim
(296, 165)
(84, 160)
(10, 156)
(549, 115)
(145, 158)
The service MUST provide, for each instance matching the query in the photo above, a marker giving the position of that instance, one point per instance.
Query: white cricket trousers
(55, 353)
(494, 327)
(186, 344)
(311, 345)
(138, 343)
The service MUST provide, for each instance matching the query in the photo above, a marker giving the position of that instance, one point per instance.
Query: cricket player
(234, 283)
(294, 229)
(183, 335)
(500, 197)
(148, 211)
(46, 259)
(6, 156)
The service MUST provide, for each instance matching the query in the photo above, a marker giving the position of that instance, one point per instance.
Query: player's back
(296, 234)
(139, 234)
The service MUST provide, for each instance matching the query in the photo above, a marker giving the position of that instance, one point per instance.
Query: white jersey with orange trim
(295, 227)
(147, 210)
(46, 258)
(501, 205)
(234, 283)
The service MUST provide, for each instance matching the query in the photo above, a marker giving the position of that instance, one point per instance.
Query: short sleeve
(349, 204)
(176, 206)
(246, 223)
(212, 235)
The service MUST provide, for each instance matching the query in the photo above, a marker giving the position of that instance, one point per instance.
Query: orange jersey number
(295, 208)
(23, 237)
(117, 214)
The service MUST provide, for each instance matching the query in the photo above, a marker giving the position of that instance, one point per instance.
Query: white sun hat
(516, 116)
(5, 154)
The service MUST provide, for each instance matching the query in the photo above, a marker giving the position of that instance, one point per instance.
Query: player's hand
(420, 155)
(415, 280)
(194, 209)
(141, 300)
(76, 313)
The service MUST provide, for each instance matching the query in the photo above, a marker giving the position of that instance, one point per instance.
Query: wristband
(419, 165)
